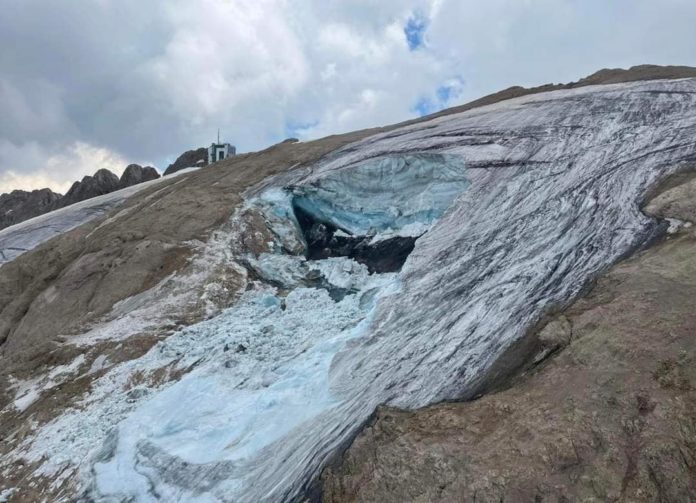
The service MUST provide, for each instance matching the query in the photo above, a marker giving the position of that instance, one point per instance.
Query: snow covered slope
(515, 206)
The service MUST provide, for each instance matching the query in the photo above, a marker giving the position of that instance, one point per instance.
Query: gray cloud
(92, 83)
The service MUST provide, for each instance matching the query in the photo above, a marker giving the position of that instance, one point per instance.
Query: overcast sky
(86, 84)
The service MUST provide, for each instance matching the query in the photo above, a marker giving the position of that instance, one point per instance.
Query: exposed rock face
(323, 241)
(102, 182)
(611, 417)
(278, 382)
(135, 174)
(20, 205)
(189, 159)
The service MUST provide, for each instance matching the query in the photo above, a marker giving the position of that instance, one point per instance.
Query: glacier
(514, 208)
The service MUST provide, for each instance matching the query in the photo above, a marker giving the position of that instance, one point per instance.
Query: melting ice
(261, 370)
(276, 385)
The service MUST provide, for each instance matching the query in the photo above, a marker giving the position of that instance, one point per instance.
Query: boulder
(190, 158)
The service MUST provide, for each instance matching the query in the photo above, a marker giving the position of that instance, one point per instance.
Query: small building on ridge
(219, 151)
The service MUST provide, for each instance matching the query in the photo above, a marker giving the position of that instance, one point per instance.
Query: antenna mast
(218, 136)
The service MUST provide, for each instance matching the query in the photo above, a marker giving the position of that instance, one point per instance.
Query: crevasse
(264, 372)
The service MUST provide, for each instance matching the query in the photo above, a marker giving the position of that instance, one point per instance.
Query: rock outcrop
(102, 182)
(189, 159)
(135, 174)
(20, 205)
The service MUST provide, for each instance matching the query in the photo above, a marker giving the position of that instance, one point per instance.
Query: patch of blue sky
(444, 96)
(299, 129)
(424, 106)
(414, 30)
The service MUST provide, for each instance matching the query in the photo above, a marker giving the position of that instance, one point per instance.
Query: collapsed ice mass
(399, 269)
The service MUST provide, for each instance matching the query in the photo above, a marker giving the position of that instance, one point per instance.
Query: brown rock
(103, 182)
(135, 174)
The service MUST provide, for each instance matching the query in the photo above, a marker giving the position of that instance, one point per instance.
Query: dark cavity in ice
(387, 255)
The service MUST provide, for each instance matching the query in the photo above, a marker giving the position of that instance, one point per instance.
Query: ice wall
(393, 194)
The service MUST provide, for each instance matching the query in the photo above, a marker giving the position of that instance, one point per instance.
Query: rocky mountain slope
(263, 309)
(135, 174)
(19, 205)
(27, 235)
(103, 182)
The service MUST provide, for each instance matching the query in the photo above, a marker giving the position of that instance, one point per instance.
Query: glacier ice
(530, 199)
(257, 371)
(372, 212)
(390, 194)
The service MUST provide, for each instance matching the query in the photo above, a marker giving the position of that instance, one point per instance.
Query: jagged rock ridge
(135, 174)
(102, 182)
(20, 205)
(105, 182)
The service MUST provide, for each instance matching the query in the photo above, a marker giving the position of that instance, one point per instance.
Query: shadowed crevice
(324, 241)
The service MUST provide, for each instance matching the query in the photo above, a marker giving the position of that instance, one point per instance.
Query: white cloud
(148, 80)
(224, 55)
(57, 170)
